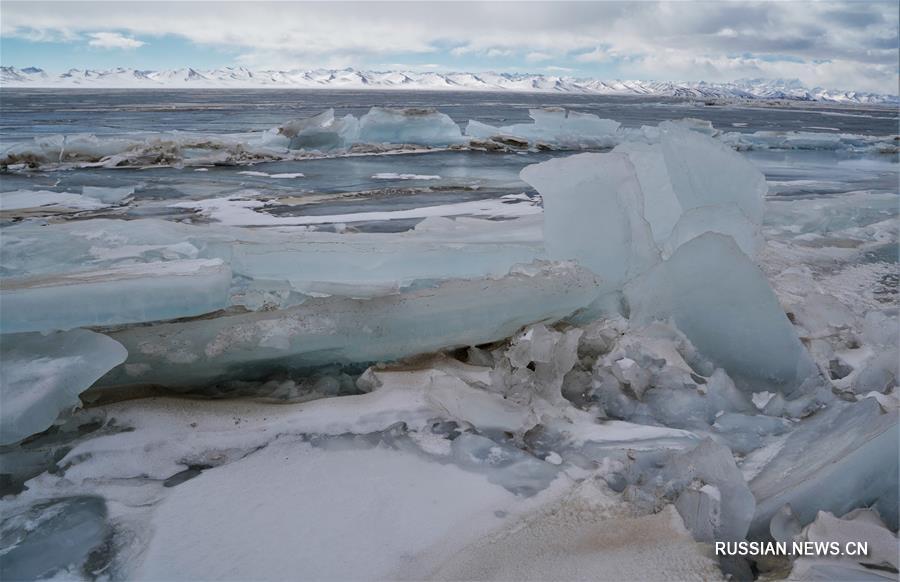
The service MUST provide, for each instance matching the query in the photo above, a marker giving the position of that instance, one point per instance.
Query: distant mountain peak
(350, 78)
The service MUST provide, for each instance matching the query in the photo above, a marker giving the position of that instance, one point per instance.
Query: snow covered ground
(386, 345)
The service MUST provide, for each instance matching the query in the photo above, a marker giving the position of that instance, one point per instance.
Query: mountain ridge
(240, 77)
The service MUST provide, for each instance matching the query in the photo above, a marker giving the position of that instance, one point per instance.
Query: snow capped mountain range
(239, 77)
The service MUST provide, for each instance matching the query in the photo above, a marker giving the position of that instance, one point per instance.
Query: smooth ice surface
(321, 503)
(42, 375)
(724, 305)
(117, 295)
(248, 211)
(47, 201)
(592, 213)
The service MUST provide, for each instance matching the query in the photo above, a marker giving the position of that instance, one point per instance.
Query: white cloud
(598, 55)
(686, 66)
(846, 44)
(113, 40)
(536, 57)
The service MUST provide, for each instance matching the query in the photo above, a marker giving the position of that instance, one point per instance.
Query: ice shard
(839, 459)
(321, 132)
(421, 126)
(706, 173)
(708, 489)
(56, 538)
(593, 208)
(723, 303)
(42, 375)
(553, 126)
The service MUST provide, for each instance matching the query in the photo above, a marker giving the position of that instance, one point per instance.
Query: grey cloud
(702, 33)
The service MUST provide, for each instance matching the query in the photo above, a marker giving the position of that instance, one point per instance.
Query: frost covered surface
(594, 371)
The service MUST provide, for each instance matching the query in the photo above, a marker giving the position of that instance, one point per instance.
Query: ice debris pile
(385, 129)
(633, 341)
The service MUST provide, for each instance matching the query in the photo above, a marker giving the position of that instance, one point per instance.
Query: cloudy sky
(842, 45)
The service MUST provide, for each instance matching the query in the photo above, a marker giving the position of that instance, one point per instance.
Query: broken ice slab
(614, 212)
(701, 509)
(705, 172)
(321, 132)
(328, 330)
(841, 458)
(464, 244)
(30, 248)
(723, 303)
(146, 149)
(593, 209)
(683, 197)
(447, 385)
(536, 363)
(554, 126)
(661, 206)
(42, 375)
(64, 537)
(412, 125)
(727, 220)
(503, 464)
(113, 296)
(108, 195)
(381, 125)
(708, 489)
(808, 140)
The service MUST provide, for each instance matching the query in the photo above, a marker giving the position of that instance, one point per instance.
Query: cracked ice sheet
(171, 433)
(304, 484)
(250, 212)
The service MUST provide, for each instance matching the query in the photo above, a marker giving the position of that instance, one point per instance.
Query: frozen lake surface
(242, 332)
